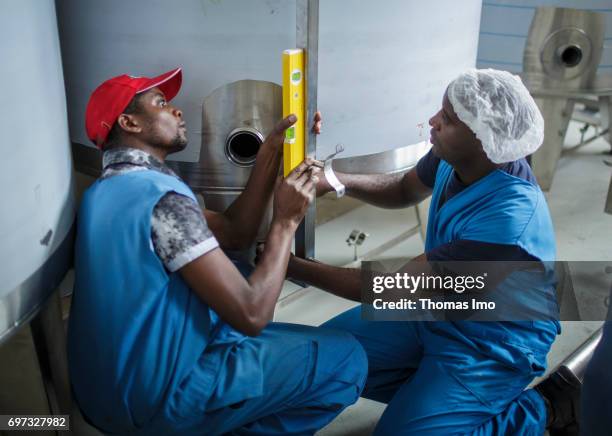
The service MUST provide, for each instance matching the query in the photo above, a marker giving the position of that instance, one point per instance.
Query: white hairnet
(498, 108)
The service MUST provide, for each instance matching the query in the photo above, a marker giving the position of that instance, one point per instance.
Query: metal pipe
(572, 369)
(307, 37)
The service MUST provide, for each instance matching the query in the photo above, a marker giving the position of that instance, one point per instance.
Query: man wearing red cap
(166, 336)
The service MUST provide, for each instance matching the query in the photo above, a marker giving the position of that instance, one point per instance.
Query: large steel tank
(563, 50)
(564, 47)
(382, 70)
(36, 167)
(235, 120)
(505, 26)
(560, 66)
(383, 67)
(216, 43)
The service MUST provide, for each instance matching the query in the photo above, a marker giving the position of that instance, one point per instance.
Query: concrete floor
(576, 201)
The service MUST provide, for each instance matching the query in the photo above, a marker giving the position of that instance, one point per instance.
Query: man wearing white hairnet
(460, 377)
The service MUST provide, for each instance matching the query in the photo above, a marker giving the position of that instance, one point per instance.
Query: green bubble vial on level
(296, 76)
(290, 135)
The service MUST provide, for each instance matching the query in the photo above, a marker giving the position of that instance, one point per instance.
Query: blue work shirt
(136, 330)
(466, 249)
(501, 217)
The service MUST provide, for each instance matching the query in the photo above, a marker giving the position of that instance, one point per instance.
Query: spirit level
(294, 102)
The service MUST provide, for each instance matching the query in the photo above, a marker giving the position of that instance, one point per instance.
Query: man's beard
(178, 143)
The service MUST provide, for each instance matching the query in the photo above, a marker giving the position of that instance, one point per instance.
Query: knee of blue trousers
(341, 361)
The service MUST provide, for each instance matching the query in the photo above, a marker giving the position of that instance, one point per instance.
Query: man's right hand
(248, 304)
(276, 137)
(294, 193)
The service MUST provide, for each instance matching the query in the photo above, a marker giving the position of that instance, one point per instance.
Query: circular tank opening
(570, 55)
(242, 146)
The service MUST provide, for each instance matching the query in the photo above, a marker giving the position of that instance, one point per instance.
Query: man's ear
(129, 123)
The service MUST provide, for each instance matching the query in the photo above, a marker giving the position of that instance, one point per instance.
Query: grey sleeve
(179, 232)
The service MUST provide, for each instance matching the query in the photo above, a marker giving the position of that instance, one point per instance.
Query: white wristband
(332, 179)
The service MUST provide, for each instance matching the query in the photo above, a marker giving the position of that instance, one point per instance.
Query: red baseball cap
(110, 99)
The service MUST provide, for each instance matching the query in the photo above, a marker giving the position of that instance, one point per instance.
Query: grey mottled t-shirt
(179, 233)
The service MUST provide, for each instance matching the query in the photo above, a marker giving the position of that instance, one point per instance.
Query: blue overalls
(442, 378)
(148, 357)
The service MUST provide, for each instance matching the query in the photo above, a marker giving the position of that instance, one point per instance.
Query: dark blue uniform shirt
(468, 250)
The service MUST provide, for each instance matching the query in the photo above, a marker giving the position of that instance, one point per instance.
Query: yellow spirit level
(294, 102)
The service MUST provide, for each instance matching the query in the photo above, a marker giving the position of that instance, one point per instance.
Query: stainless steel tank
(382, 67)
(216, 43)
(36, 180)
(382, 71)
(236, 118)
(564, 47)
(505, 25)
(562, 55)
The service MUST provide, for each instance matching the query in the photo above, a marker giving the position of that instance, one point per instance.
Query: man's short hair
(114, 136)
